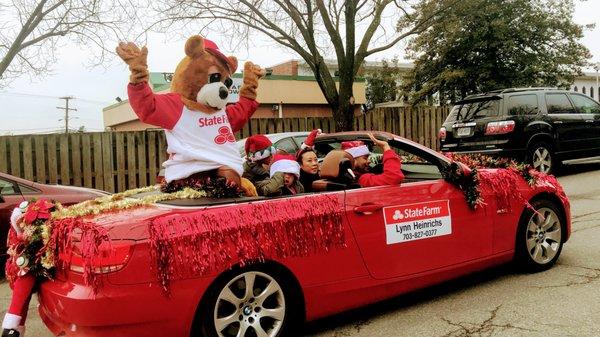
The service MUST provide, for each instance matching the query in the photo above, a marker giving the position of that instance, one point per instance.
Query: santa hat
(285, 163)
(212, 48)
(258, 147)
(356, 148)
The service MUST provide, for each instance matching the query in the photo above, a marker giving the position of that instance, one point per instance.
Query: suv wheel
(541, 158)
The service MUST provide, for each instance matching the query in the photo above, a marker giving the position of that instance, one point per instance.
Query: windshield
(475, 110)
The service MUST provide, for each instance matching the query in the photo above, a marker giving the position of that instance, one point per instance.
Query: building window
(575, 89)
(583, 90)
(592, 92)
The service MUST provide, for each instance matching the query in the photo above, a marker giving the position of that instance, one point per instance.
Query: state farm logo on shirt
(225, 135)
(224, 132)
(417, 221)
(212, 121)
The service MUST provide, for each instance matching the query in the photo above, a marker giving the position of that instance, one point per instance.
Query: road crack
(488, 327)
(582, 279)
(355, 328)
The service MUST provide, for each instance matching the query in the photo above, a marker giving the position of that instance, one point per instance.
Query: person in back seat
(309, 164)
(392, 173)
(284, 177)
(259, 152)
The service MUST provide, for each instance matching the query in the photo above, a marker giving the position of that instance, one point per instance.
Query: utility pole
(67, 109)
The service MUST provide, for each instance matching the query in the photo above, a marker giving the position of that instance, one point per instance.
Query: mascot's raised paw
(252, 73)
(136, 59)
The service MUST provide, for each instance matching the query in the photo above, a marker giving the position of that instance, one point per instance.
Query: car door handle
(589, 121)
(557, 122)
(368, 208)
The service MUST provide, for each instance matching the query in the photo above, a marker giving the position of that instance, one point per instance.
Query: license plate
(462, 132)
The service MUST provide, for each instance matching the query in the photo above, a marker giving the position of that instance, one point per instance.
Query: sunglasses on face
(216, 77)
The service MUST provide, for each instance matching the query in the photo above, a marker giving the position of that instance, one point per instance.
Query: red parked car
(396, 239)
(14, 190)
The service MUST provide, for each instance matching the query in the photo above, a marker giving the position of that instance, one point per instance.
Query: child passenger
(284, 177)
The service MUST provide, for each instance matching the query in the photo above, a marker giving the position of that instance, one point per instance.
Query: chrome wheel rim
(543, 235)
(542, 160)
(251, 304)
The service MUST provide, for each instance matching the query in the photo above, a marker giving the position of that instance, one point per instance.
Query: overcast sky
(29, 105)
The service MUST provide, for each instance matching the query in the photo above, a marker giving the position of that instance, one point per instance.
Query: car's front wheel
(540, 236)
(250, 302)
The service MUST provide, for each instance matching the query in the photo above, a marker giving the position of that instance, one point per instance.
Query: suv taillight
(499, 128)
(442, 134)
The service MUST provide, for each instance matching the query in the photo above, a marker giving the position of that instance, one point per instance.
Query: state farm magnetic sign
(417, 221)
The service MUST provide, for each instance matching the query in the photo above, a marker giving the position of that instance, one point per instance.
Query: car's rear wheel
(540, 236)
(252, 302)
(542, 158)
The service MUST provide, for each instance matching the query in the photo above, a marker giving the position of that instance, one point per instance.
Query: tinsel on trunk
(198, 243)
(465, 172)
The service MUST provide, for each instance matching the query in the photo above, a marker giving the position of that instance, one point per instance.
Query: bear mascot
(199, 125)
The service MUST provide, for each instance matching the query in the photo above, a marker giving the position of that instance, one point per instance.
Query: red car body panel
(131, 302)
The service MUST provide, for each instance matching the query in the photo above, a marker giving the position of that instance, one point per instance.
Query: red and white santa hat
(356, 148)
(285, 163)
(258, 147)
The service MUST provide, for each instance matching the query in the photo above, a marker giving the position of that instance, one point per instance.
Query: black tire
(550, 165)
(204, 323)
(548, 240)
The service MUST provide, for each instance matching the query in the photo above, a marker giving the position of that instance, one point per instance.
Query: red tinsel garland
(210, 240)
(91, 237)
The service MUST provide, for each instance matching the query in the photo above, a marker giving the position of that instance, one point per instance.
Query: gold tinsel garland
(121, 201)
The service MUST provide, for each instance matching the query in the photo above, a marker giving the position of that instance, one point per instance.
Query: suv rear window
(470, 111)
(523, 105)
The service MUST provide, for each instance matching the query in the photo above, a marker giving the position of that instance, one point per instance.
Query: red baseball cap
(212, 48)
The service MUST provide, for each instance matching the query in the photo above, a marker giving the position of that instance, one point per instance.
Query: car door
(569, 125)
(590, 112)
(10, 197)
(416, 227)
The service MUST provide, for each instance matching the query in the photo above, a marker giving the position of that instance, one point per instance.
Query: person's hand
(381, 143)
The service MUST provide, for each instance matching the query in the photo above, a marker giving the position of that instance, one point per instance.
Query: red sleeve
(240, 112)
(392, 173)
(162, 110)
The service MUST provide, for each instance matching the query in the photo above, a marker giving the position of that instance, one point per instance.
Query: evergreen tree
(484, 45)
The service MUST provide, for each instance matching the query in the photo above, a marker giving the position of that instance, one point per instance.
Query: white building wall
(588, 84)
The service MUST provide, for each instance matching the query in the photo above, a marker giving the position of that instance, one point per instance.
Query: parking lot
(564, 301)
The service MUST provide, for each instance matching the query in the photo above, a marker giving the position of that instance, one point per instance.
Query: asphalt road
(564, 301)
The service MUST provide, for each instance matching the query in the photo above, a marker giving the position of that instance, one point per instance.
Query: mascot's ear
(194, 47)
(233, 62)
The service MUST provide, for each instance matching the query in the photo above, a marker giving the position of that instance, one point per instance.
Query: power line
(9, 93)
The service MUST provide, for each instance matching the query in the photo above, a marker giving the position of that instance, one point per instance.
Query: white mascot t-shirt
(201, 142)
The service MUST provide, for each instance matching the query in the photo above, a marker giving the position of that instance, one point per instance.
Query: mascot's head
(203, 77)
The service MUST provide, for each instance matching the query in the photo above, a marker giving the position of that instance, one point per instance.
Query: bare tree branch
(310, 28)
(94, 23)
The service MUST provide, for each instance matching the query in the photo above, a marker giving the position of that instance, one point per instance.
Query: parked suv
(542, 126)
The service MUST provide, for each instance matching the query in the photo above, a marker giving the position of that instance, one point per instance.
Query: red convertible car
(263, 266)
